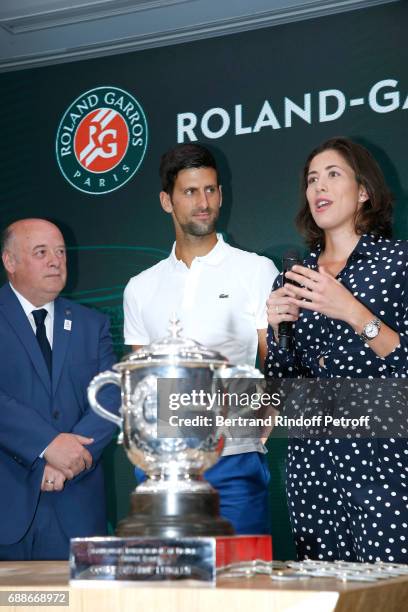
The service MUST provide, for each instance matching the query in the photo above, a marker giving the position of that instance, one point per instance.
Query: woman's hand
(280, 309)
(323, 292)
(327, 295)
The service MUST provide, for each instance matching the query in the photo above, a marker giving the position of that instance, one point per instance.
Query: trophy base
(174, 514)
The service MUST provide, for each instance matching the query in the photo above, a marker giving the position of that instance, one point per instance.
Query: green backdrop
(261, 100)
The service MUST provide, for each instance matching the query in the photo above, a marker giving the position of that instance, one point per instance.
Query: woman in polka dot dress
(347, 497)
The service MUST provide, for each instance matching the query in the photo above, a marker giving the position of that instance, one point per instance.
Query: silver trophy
(175, 500)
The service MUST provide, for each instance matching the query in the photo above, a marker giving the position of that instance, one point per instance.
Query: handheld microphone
(289, 259)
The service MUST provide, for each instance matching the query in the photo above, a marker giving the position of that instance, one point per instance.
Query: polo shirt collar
(213, 258)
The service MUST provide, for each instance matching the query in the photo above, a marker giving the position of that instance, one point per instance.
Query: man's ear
(165, 201)
(220, 188)
(9, 262)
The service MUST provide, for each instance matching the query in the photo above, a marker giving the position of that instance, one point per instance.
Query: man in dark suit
(50, 440)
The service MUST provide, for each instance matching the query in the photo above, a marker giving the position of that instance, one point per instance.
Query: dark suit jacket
(35, 409)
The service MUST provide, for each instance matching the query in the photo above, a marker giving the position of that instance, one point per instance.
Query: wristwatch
(371, 330)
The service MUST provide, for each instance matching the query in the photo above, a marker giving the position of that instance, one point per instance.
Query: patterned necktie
(39, 318)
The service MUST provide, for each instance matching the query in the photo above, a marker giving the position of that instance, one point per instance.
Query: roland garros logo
(101, 140)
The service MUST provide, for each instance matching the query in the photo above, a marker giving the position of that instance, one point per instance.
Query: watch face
(371, 330)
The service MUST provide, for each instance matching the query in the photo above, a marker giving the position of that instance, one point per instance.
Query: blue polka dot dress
(348, 498)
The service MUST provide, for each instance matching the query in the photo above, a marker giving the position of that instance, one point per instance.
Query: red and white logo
(101, 140)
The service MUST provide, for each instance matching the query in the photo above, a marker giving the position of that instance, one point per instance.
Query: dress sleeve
(397, 360)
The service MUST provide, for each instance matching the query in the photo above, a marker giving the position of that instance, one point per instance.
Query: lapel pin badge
(67, 324)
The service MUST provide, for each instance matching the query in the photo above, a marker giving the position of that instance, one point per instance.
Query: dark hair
(374, 216)
(180, 157)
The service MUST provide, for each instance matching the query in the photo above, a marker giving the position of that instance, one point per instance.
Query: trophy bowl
(174, 500)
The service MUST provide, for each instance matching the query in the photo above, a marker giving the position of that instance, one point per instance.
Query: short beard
(193, 228)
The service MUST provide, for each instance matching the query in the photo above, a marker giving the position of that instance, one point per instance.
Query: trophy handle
(239, 371)
(100, 380)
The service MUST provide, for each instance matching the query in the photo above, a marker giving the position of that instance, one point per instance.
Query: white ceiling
(39, 32)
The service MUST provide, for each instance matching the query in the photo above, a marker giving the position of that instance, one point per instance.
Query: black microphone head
(291, 254)
(289, 259)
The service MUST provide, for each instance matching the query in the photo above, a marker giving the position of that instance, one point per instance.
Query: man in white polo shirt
(218, 293)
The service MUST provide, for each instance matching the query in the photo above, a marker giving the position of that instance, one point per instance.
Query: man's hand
(68, 454)
(53, 479)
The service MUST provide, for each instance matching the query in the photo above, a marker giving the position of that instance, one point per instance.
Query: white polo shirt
(220, 301)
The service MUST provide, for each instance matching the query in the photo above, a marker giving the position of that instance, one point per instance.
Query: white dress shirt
(28, 308)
